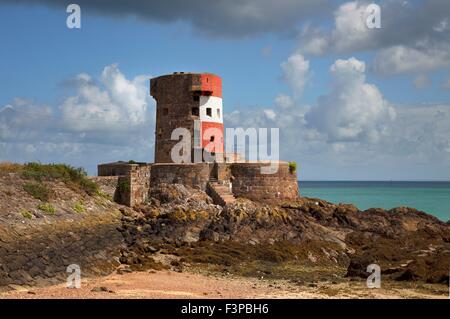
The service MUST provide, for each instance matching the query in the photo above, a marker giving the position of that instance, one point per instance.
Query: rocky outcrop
(39, 239)
(406, 243)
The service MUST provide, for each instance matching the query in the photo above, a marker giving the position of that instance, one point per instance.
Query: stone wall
(132, 181)
(107, 185)
(175, 101)
(248, 182)
(139, 179)
(114, 169)
(194, 175)
(39, 255)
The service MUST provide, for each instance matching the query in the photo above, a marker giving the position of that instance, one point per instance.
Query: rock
(101, 289)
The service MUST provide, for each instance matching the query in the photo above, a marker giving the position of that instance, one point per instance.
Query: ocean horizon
(432, 197)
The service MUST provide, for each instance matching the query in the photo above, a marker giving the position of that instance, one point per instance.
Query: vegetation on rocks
(26, 214)
(38, 191)
(292, 167)
(47, 208)
(78, 207)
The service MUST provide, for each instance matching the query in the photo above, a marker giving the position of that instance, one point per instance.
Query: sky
(351, 103)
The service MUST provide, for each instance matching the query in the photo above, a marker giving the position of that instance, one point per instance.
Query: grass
(78, 207)
(38, 191)
(76, 178)
(292, 167)
(8, 167)
(47, 208)
(26, 214)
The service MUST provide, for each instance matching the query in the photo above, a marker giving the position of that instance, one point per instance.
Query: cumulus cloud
(354, 110)
(295, 73)
(106, 119)
(116, 104)
(234, 18)
(414, 37)
(402, 59)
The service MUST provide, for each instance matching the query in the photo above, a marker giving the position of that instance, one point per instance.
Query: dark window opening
(196, 98)
(165, 111)
(208, 111)
(195, 111)
(211, 139)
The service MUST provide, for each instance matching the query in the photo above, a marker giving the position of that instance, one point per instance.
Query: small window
(218, 113)
(165, 111)
(195, 111)
(211, 139)
(208, 111)
(196, 98)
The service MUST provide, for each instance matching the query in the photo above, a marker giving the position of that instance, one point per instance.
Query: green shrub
(124, 186)
(38, 191)
(292, 167)
(78, 207)
(47, 208)
(132, 162)
(74, 177)
(26, 214)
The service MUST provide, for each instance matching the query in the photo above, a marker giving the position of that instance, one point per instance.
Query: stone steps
(220, 193)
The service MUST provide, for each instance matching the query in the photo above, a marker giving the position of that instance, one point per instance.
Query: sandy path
(169, 284)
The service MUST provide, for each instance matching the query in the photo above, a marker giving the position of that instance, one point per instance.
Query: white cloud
(118, 104)
(103, 121)
(402, 59)
(414, 37)
(354, 110)
(284, 101)
(295, 73)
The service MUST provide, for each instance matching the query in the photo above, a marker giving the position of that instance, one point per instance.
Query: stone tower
(192, 101)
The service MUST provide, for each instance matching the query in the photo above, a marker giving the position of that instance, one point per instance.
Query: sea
(430, 197)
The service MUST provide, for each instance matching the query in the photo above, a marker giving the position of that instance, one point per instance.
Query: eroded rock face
(406, 243)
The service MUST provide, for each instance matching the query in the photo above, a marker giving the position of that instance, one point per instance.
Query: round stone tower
(192, 101)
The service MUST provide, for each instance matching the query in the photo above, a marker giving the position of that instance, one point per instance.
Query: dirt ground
(170, 284)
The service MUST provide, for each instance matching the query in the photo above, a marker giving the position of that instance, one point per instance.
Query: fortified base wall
(194, 175)
(247, 179)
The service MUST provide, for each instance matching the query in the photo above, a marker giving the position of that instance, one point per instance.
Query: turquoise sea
(430, 197)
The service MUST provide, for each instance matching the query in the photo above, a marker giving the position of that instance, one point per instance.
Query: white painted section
(213, 102)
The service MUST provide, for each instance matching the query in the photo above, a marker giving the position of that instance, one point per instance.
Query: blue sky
(392, 136)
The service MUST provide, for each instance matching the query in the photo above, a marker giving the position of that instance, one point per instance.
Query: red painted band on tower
(211, 84)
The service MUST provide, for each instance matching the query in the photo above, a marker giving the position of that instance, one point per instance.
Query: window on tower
(209, 111)
(165, 111)
(218, 113)
(196, 98)
(195, 111)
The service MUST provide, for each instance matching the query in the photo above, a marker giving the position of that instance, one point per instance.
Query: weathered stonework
(249, 182)
(174, 110)
(178, 95)
(40, 255)
(194, 175)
